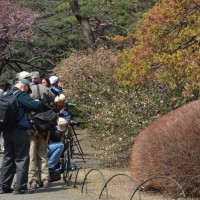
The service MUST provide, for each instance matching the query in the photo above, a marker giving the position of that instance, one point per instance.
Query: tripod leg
(78, 143)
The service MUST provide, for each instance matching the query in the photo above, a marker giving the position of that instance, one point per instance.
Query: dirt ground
(120, 186)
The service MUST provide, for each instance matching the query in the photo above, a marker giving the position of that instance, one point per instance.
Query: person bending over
(55, 145)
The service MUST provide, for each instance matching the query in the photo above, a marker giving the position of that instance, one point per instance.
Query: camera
(36, 82)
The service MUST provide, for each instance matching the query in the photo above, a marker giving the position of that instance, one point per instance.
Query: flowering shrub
(170, 147)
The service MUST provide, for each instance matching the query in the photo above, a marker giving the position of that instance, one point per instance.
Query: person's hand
(45, 105)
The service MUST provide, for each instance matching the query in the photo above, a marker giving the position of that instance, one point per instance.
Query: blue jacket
(63, 113)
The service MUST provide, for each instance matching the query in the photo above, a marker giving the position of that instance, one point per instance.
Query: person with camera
(56, 145)
(55, 87)
(17, 142)
(38, 168)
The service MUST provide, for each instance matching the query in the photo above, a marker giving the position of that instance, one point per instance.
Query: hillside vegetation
(114, 114)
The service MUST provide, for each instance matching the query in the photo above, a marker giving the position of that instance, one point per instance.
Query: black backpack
(44, 121)
(9, 107)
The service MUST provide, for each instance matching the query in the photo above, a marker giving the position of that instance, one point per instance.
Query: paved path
(120, 188)
(57, 191)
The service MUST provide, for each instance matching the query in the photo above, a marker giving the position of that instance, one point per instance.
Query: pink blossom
(15, 23)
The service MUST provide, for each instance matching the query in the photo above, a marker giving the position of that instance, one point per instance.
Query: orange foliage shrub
(170, 146)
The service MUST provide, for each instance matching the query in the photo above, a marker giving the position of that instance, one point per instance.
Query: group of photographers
(26, 150)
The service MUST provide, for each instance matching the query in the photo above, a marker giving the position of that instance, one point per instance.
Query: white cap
(53, 79)
(60, 98)
(61, 124)
(23, 75)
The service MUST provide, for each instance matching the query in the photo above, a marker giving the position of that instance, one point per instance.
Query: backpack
(43, 122)
(9, 107)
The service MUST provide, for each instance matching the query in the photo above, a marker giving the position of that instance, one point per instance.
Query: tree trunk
(84, 22)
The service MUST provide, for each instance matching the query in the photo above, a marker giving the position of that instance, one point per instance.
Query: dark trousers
(16, 159)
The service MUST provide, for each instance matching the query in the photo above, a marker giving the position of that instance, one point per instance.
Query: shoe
(55, 177)
(59, 171)
(33, 185)
(21, 191)
(6, 190)
(51, 170)
(40, 185)
(45, 183)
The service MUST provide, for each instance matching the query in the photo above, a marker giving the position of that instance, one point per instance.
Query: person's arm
(56, 90)
(27, 101)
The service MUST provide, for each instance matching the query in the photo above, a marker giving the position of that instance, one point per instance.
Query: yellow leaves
(127, 40)
(117, 38)
(167, 49)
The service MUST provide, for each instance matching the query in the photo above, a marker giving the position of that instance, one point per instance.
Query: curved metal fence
(137, 188)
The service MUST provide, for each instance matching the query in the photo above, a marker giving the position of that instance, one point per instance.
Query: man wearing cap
(39, 91)
(55, 88)
(56, 146)
(23, 75)
(38, 168)
(17, 143)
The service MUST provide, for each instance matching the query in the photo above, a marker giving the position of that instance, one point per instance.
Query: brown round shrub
(170, 146)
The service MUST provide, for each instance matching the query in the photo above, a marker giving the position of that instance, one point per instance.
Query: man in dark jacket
(17, 143)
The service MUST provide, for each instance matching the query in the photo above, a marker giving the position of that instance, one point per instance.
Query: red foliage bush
(170, 146)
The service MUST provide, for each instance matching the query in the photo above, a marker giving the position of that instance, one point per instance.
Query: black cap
(26, 82)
